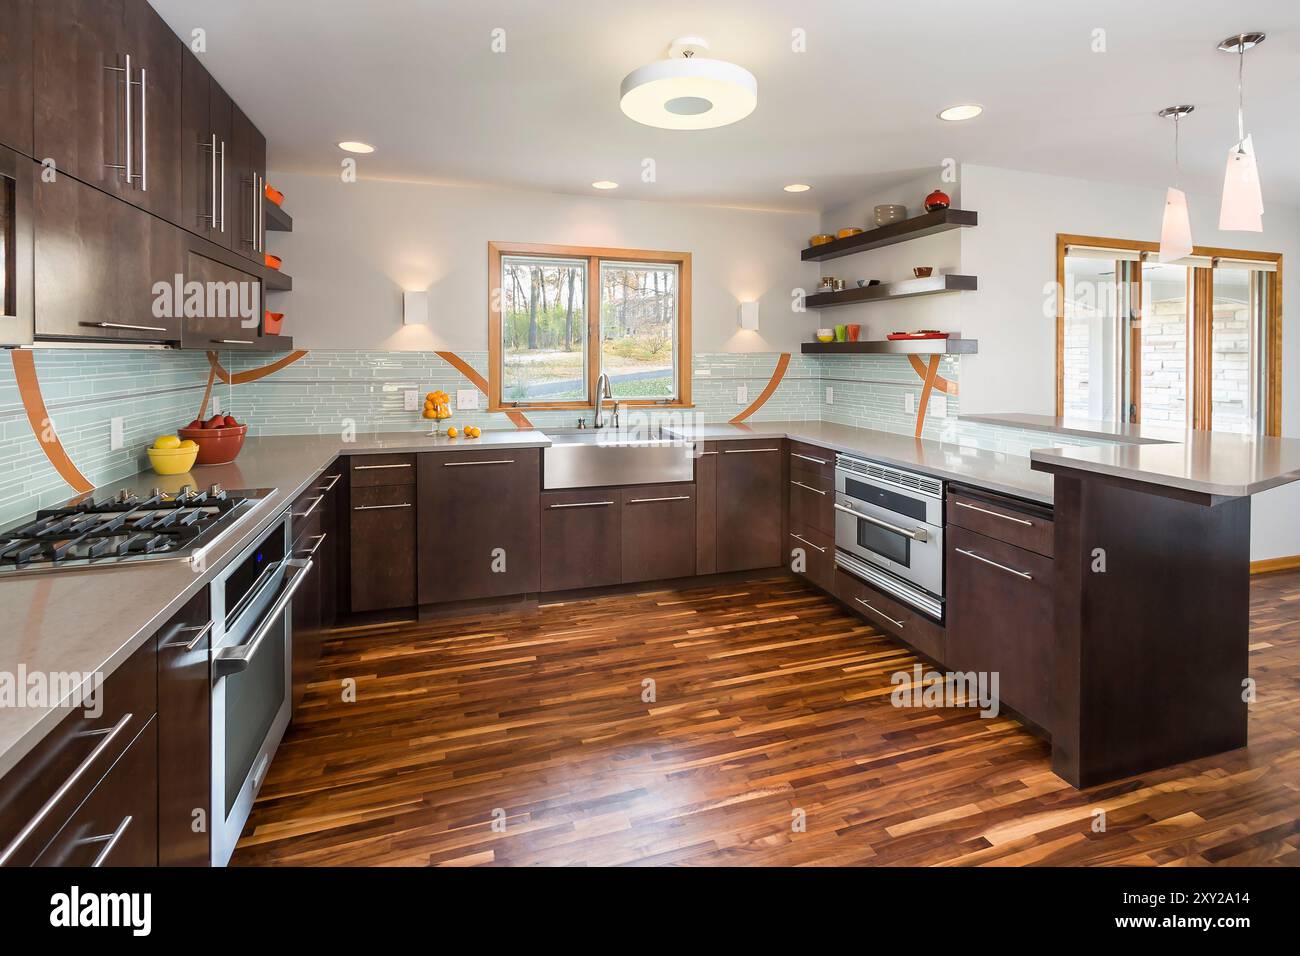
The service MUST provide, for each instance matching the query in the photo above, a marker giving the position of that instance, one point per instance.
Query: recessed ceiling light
(689, 91)
(355, 147)
(962, 111)
(797, 188)
(604, 184)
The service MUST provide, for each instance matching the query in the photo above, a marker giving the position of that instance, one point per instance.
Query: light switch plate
(411, 400)
(830, 395)
(939, 406)
(742, 394)
(467, 399)
(115, 439)
(909, 402)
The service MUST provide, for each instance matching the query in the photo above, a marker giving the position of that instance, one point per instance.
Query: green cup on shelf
(841, 333)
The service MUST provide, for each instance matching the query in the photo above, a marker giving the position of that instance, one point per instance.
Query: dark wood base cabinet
(749, 503)
(581, 532)
(658, 536)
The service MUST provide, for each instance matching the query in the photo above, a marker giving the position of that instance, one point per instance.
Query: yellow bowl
(172, 461)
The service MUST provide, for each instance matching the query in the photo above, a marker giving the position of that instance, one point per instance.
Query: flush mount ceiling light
(604, 184)
(688, 90)
(797, 188)
(1242, 206)
(962, 111)
(1176, 227)
(352, 146)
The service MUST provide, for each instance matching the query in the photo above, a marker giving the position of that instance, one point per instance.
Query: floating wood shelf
(928, 224)
(277, 282)
(277, 220)
(949, 346)
(908, 288)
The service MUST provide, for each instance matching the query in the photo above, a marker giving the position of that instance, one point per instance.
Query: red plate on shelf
(895, 336)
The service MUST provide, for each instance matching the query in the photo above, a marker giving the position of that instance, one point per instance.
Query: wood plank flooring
(515, 738)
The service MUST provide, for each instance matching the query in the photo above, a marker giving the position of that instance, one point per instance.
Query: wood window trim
(594, 255)
(1201, 327)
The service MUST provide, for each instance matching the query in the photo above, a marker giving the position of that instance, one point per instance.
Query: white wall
(1013, 252)
(356, 246)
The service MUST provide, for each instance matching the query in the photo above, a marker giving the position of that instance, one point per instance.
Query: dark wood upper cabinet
(479, 524)
(658, 532)
(96, 264)
(205, 118)
(17, 84)
(156, 62)
(248, 152)
(750, 505)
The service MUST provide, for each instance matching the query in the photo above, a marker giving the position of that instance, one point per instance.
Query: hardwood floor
(771, 706)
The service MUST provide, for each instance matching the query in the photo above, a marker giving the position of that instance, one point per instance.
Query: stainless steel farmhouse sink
(592, 458)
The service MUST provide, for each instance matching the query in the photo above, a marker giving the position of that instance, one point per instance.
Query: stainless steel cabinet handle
(66, 786)
(333, 480)
(258, 206)
(311, 552)
(642, 501)
(144, 132)
(1000, 567)
(405, 504)
(808, 487)
(917, 535)
(223, 185)
(202, 632)
(807, 542)
(708, 453)
(746, 451)
(986, 511)
(234, 341)
(126, 104)
(232, 660)
(110, 842)
(819, 461)
(497, 461)
(582, 504)
(315, 503)
(880, 612)
(137, 328)
(403, 464)
(213, 218)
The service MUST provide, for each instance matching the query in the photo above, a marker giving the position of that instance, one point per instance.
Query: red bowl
(217, 446)
(272, 322)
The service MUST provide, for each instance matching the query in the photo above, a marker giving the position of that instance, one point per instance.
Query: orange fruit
(451, 433)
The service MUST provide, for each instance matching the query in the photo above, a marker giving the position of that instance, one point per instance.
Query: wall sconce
(749, 316)
(415, 308)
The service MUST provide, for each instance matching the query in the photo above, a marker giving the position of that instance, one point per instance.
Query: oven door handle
(917, 535)
(232, 660)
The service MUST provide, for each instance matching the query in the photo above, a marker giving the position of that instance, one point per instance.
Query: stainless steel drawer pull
(808, 487)
(1000, 567)
(746, 451)
(110, 842)
(880, 612)
(496, 461)
(315, 503)
(707, 453)
(996, 514)
(333, 480)
(642, 501)
(135, 328)
(202, 632)
(807, 542)
(581, 504)
(819, 461)
(918, 535)
(404, 464)
(234, 341)
(232, 660)
(58, 795)
(320, 539)
(405, 504)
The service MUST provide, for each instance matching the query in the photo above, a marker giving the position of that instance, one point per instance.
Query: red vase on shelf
(937, 200)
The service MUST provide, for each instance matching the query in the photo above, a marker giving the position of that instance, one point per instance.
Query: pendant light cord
(1241, 97)
(1178, 168)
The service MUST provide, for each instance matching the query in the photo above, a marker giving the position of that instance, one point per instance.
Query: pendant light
(689, 91)
(1176, 228)
(1242, 207)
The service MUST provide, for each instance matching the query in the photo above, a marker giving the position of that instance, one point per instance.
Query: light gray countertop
(1122, 432)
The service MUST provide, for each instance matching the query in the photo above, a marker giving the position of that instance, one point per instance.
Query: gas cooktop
(125, 528)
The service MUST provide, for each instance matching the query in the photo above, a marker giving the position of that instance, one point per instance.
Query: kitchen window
(559, 316)
(1194, 343)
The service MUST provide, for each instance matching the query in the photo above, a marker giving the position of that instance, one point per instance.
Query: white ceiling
(418, 79)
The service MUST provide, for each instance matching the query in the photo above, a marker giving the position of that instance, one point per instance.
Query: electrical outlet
(411, 400)
(216, 404)
(742, 394)
(467, 399)
(115, 438)
(830, 395)
(939, 406)
(909, 403)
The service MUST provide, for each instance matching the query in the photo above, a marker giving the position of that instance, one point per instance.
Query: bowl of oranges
(437, 409)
